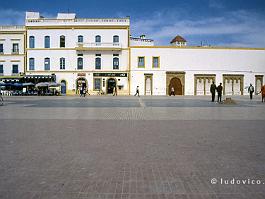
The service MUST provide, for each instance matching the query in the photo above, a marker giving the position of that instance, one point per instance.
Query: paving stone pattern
(136, 151)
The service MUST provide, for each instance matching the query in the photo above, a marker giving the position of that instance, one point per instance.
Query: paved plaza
(125, 147)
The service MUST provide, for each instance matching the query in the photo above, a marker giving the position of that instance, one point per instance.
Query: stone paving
(130, 148)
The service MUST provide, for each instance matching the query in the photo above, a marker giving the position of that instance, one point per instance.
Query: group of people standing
(83, 90)
(219, 89)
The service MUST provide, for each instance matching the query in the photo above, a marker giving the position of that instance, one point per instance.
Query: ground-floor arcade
(95, 83)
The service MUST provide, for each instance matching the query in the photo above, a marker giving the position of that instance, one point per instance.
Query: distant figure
(87, 91)
(114, 91)
(251, 91)
(137, 91)
(262, 93)
(172, 92)
(81, 92)
(219, 91)
(84, 92)
(84, 89)
(213, 90)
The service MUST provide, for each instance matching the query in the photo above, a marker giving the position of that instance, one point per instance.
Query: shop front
(106, 83)
(25, 85)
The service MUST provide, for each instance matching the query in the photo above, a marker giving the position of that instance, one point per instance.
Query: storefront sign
(81, 74)
(110, 74)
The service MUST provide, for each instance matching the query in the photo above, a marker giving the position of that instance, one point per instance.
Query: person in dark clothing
(219, 91)
(81, 91)
(251, 91)
(137, 91)
(262, 93)
(172, 92)
(213, 90)
(84, 92)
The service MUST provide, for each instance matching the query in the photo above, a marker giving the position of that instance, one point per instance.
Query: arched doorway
(111, 83)
(176, 84)
(63, 87)
(81, 83)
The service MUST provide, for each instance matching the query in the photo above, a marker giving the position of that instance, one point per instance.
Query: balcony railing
(12, 28)
(98, 45)
(80, 21)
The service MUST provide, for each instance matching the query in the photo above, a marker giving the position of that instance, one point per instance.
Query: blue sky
(217, 23)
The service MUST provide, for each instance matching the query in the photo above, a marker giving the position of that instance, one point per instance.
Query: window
(47, 42)
(80, 39)
(156, 62)
(1, 68)
(79, 63)
(15, 48)
(31, 64)
(98, 39)
(31, 42)
(62, 41)
(62, 63)
(97, 84)
(47, 63)
(141, 62)
(1, 48)
(115, 63)
(98, 63)
(15, 69)
(116, 39)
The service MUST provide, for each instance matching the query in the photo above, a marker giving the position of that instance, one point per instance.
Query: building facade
(191, 70)
(93, 52)
(12, 52)
(101, 54)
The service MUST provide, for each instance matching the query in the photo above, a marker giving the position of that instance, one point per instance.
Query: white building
(93, 52)
(191, 70)
(12, 52)
(101, 54)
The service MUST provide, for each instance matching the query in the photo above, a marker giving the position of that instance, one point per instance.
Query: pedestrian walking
(251, 91)
(84, 92)
(137, 91)
(213, 90)
(172, 91)
(219, 92)
(114, 91)
(262, 93)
